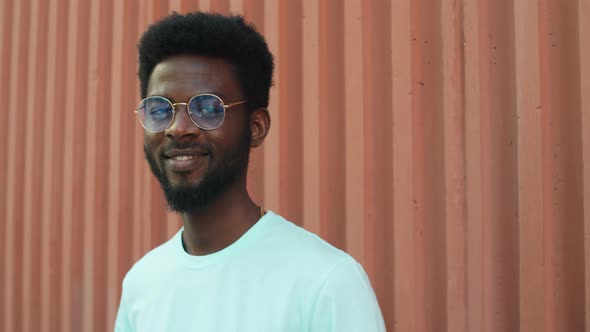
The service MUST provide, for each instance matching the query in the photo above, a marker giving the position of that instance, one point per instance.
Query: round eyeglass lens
(206, 111)
(155, 113)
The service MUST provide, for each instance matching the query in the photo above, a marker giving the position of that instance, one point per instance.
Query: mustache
(185, 144)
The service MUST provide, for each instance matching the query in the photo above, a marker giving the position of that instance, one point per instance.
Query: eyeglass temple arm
(236, 103)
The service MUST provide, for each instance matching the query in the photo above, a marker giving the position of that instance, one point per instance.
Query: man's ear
(259, 126)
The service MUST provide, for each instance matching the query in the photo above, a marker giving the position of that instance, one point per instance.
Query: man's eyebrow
(169, 98)
(163, 95)
(219, 94)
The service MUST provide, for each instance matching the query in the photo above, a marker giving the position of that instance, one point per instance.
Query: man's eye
(158, 112)
(207, 109)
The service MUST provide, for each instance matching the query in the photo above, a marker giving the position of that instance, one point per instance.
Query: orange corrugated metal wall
(445, 144)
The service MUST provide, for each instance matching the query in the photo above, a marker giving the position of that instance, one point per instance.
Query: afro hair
(213, 35)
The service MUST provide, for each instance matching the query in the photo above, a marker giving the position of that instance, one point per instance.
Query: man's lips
(175, 153)
(184, 160)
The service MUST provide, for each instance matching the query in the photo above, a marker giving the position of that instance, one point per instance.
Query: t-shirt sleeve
(346, 302)
(122, 323)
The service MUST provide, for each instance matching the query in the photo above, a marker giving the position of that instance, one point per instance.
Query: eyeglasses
(206, 111)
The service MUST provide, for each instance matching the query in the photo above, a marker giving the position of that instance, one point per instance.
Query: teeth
(182, 157)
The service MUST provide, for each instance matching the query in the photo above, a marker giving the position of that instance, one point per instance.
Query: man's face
(195, 166)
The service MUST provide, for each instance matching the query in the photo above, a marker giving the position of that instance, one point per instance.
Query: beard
(221, 174)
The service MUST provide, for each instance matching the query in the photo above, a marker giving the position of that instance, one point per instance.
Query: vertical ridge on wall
(310, 103)
(583, 13)
(331, 131)
(354, 140)
(56, 95)
(453, 85)
(429, 173)
(48, 302)
(272, 192)
(114, 143)
(443, 144)
(15, 170)
(473, 157)
(562, 165)
(102, 75)
(32, 214)
(378, 160)
(88, 243)
(5, 61)
(405, 300)
(73, 172)
(5, 39)
(498, 142)
(528, 105)
(290, 105)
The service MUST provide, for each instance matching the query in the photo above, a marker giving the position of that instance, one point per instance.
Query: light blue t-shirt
(277, 277)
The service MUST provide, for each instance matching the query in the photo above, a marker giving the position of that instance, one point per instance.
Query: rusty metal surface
(444, 144)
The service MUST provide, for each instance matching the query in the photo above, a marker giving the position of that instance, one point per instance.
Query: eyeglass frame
(174, 111)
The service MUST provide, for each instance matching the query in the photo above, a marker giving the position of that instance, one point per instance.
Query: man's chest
(223, 304)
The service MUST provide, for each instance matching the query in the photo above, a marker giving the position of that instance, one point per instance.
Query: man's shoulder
(300, 246)
(154, 261)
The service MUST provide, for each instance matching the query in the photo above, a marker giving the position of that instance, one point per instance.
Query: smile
(182, 157)
(186, 161)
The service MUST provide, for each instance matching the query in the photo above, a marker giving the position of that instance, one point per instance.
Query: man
(233, 266)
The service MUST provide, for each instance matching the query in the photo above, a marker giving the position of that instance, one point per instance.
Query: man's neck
(220, 223)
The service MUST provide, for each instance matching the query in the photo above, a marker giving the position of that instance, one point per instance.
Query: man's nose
(182, 125)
